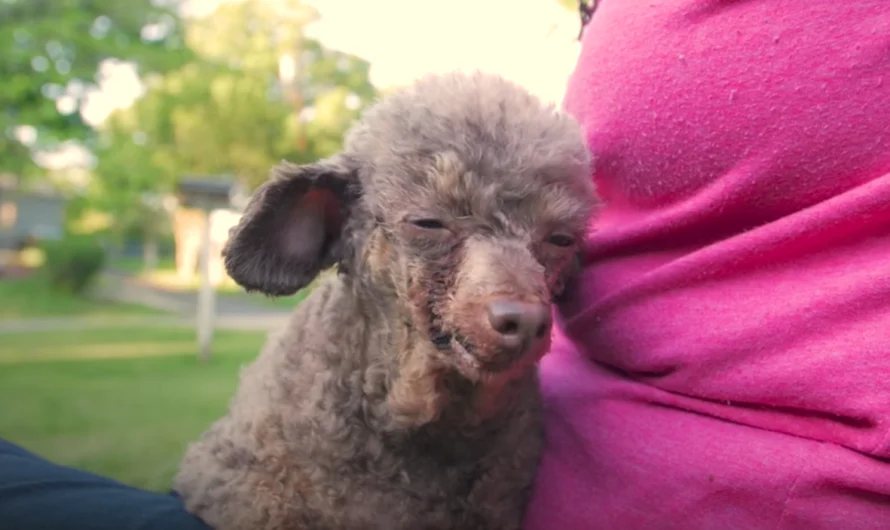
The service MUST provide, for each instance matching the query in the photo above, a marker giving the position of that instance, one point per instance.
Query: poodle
(403, 393)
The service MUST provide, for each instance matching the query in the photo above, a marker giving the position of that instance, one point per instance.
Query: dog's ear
(293, 226)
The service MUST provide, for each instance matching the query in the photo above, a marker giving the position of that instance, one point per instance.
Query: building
(36, 212)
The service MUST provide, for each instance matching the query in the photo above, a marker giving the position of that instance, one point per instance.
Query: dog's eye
(428, 224)
(561, 240)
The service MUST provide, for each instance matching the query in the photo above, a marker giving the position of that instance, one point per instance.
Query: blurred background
(131, 133)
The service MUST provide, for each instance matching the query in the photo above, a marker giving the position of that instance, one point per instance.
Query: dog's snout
(519, 324)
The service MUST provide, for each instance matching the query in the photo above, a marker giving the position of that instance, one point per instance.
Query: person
(725, 359)
(36, 494)
(723, 362)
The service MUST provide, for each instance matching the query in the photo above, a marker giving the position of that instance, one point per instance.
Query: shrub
(73, 262)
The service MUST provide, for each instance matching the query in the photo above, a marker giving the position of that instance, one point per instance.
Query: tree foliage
(571, 5)
(215, 100)
(227, 111)
(52, 50)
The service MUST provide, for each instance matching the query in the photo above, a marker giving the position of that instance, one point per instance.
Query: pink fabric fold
(725, 360)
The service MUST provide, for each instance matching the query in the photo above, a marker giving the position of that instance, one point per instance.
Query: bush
(73, 262)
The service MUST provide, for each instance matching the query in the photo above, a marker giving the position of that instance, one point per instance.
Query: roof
(221, 188)
(38, 188)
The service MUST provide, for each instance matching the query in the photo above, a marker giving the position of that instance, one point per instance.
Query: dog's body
(328, 460)
(403, 394)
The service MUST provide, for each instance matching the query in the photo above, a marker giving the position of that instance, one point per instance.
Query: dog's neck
(408, 386)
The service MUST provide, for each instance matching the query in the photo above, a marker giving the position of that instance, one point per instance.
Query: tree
(571, 5)
(125, 180)
(229, 111)
(52, 50)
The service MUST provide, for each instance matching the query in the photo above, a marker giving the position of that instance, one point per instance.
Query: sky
(529, 41)
(532, 42)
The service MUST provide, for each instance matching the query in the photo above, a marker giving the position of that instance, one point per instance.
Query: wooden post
(205, 295)
(150, 252)
(206, 194)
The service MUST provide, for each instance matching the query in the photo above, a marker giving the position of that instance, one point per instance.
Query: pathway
(231, 313)
(124, 287)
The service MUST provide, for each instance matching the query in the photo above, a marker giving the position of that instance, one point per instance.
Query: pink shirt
(725, 363)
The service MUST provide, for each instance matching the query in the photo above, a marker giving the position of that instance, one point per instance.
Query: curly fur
(389, 401)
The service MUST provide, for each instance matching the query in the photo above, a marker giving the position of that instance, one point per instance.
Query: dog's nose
(519, 324)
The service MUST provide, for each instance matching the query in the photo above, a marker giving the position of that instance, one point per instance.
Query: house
(33, 212)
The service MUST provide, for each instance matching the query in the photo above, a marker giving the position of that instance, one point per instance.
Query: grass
(33, 297)
(120, 402)
(283, 302)
(137, 265)
(165, 277)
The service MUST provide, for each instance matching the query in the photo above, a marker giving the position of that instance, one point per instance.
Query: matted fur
(390, 401)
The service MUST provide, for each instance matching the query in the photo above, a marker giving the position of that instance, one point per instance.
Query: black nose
(519, 324)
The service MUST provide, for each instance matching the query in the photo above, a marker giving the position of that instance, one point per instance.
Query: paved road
(232, 322)
(231, 313)
(127, 288)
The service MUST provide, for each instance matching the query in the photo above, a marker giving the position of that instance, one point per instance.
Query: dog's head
(462, 199)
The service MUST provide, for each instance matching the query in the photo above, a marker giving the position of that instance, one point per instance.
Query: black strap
(586, 9)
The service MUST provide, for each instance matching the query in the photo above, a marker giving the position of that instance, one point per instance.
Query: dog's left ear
(293, 226)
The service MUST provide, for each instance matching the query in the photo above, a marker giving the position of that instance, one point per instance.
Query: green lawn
(137, 265)
(165, 277)
(32, 297)
(120, 402)
(283, 302)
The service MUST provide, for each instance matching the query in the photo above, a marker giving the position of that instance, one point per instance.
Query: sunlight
(93, 351)
(531, 42)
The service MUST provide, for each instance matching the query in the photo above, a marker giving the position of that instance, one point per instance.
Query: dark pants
(38, 495)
